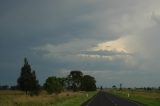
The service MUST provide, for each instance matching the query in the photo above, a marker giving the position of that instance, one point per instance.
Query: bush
(53, 85)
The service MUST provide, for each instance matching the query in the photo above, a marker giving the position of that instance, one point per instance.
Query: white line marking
(135, 102)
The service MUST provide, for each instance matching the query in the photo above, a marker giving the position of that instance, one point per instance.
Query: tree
(114, 87)
(74, 80)
(54, 85)
(27, 81)
(88, 83)
(4, 87)
(62, 81)
(101, 88)
(35, 87)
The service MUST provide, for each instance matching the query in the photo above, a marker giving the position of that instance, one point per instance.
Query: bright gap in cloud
(116, 45)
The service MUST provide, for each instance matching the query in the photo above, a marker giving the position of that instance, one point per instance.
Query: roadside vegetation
(149, 98)
(18, 98)
(75, 81)
(72, 90)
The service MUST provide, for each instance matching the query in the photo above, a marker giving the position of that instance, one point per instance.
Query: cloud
(89, 55)
(60, 21)
(113, 38)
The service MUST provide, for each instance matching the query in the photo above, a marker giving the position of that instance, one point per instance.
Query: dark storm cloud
(54, 21)
(54, 34)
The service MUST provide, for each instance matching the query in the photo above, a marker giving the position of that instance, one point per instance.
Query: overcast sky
(116, 41)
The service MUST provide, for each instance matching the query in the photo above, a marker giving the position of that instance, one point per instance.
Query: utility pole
(120, 86)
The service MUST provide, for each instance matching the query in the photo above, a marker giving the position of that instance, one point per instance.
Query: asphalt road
(106, 99)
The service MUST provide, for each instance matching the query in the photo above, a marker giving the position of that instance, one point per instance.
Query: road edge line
(91, 100)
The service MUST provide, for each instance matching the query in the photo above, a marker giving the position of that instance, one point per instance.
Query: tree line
(75, 81)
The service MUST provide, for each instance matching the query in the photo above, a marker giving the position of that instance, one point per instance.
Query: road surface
(106, 99)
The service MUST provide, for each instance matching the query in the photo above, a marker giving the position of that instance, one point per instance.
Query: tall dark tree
(74, 80)
(88, 83)
(27, 81)
(35, 87)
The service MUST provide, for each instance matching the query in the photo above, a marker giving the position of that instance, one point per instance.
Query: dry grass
(150, 98)
(18, 98)
(145, 94)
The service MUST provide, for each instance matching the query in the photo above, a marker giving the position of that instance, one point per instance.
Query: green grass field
(18, 98)
(149, 98)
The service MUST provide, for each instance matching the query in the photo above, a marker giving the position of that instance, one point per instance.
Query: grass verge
(18, 98)
(149, 98)
(77, 100)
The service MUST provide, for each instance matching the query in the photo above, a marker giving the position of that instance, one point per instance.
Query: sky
(116, 41)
